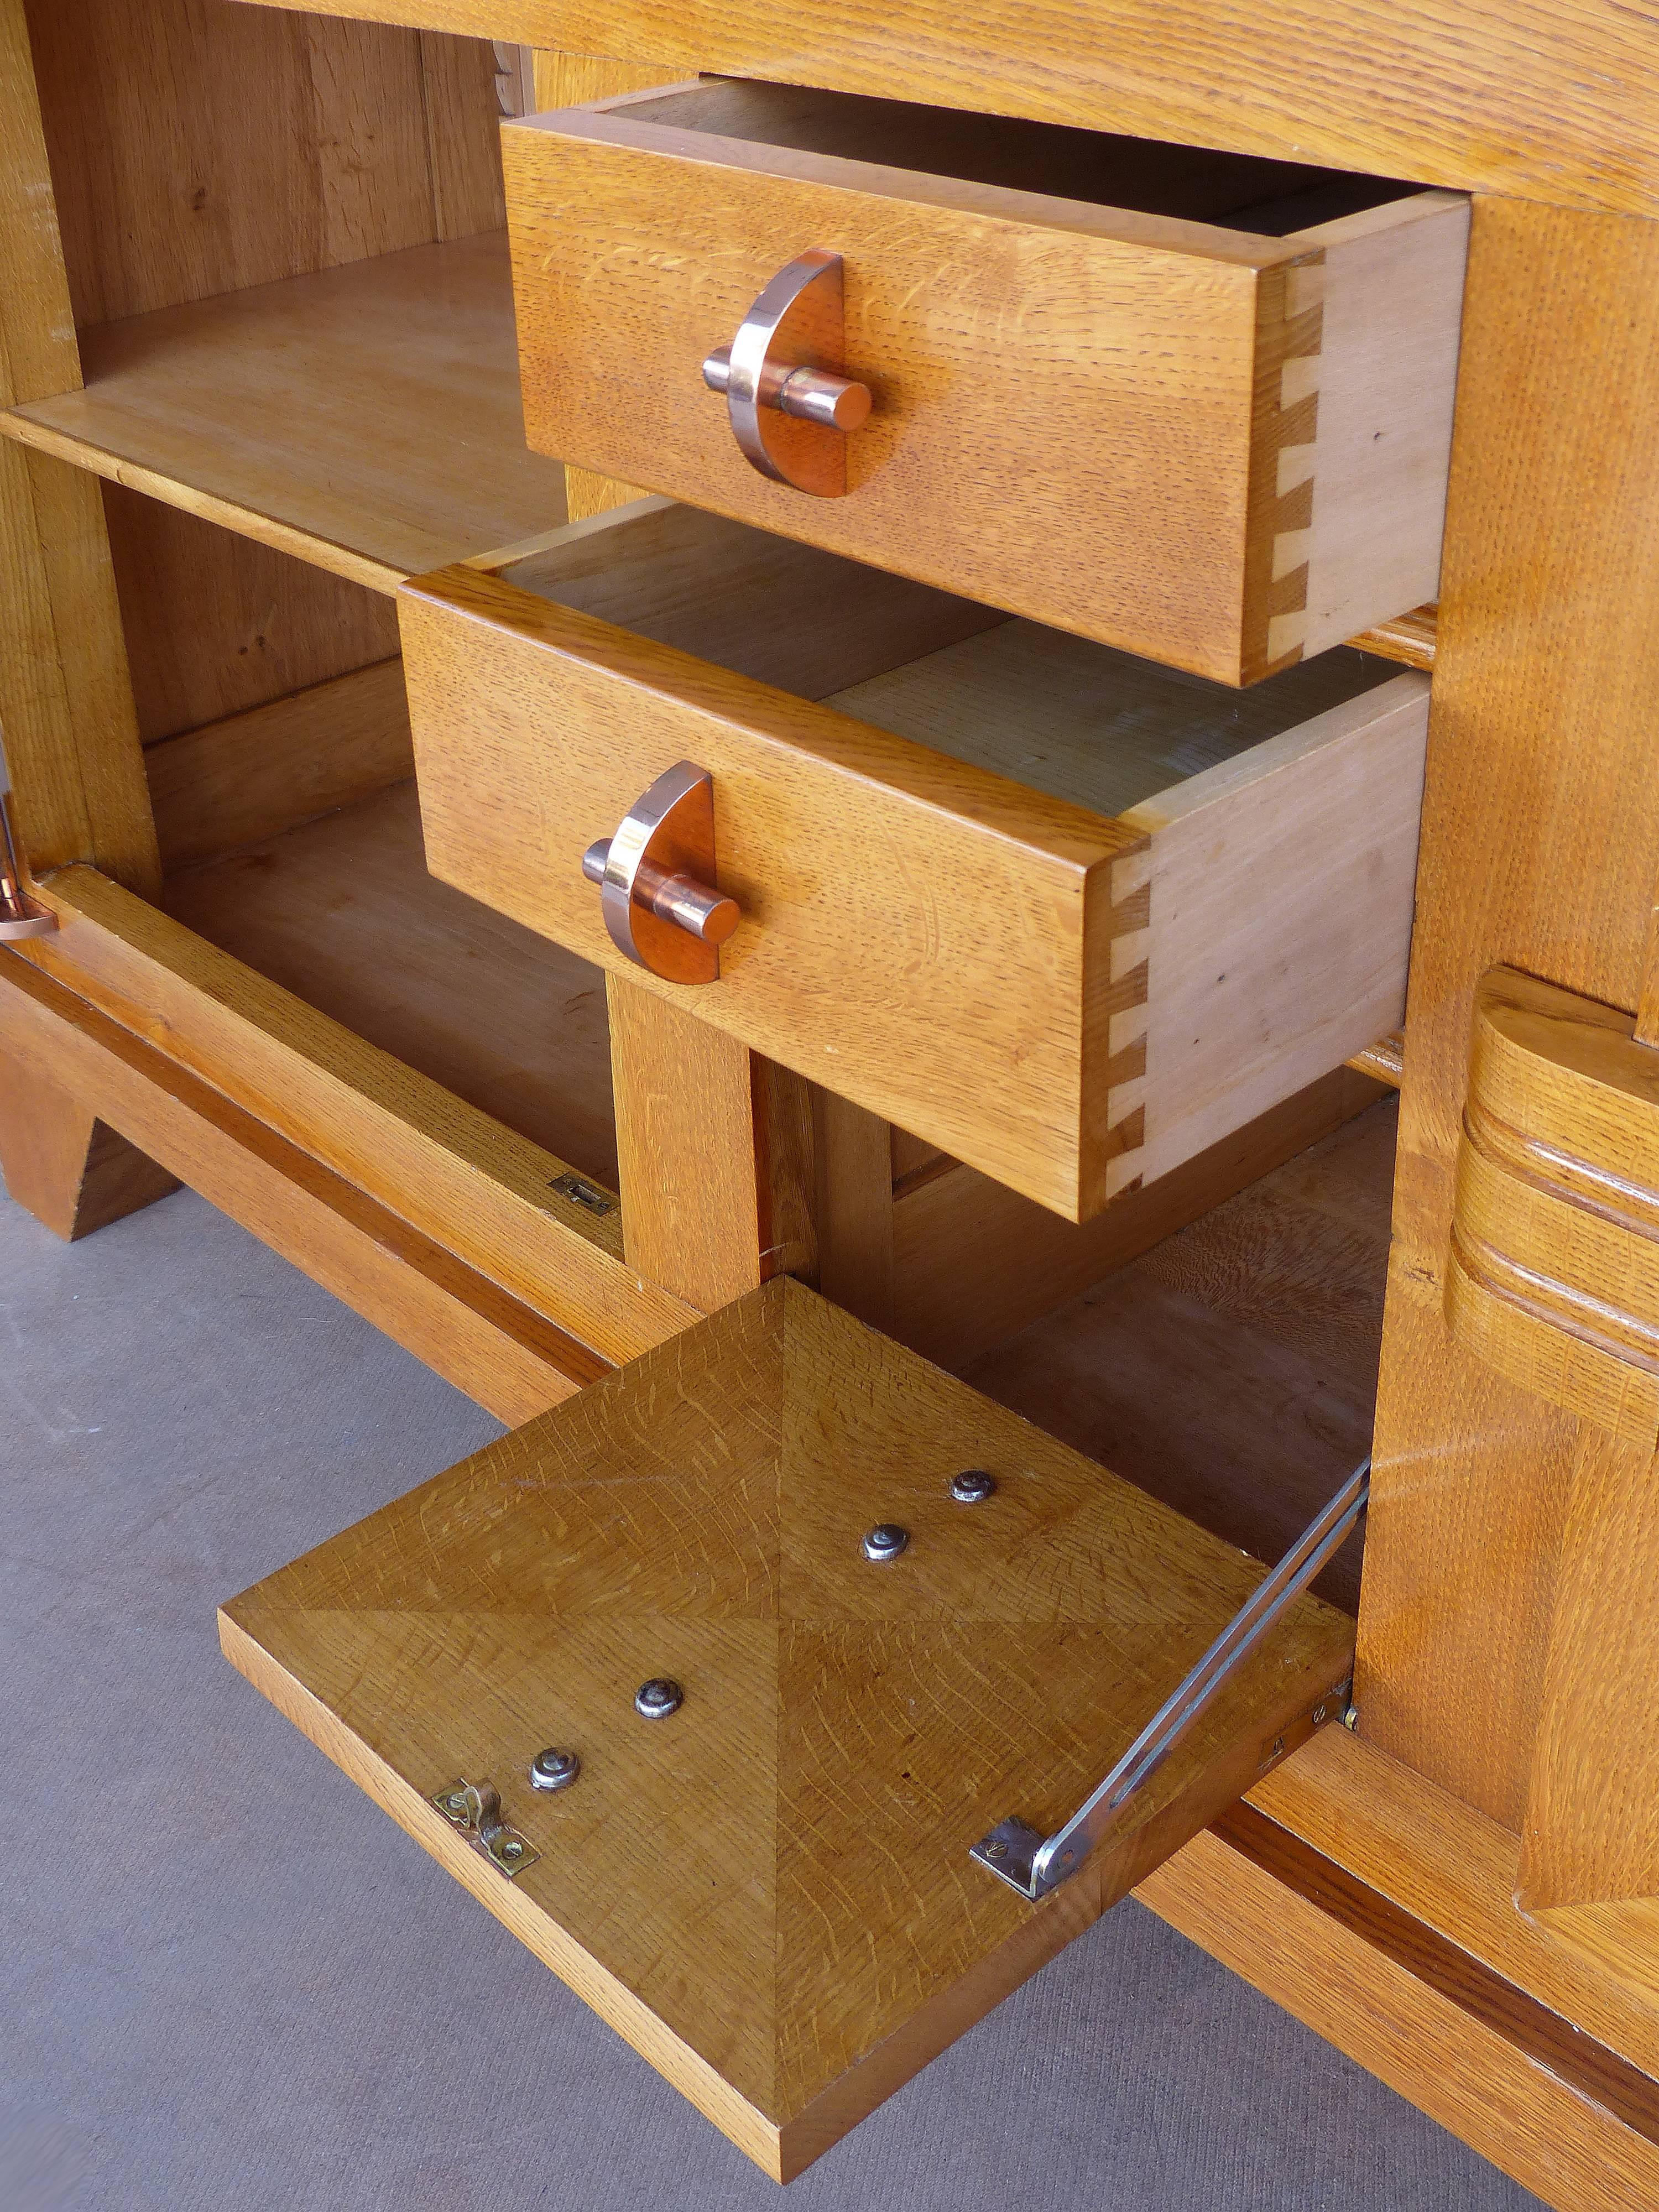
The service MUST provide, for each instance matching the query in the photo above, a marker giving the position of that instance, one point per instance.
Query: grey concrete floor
(229, 1981)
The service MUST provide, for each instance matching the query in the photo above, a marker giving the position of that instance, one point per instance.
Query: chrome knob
(789, 413)
(655, 878)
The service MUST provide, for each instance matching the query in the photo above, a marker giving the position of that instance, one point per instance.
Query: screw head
(972, 1486)
(654, 1700)
(996, 1850)
(456, 1802)
(886, 1540)
(512, 1849)
(554, 1770)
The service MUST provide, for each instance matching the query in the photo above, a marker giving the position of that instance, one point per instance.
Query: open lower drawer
(1067, 914)
(769, 1890)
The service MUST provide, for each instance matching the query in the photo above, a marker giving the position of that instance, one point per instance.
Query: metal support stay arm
(1034, 1864)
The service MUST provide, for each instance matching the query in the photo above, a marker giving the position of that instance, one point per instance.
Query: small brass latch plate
(475, 1813)
(580, 1192)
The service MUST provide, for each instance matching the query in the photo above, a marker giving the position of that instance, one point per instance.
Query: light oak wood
(1537, 101)
(974, 1263)
(459, 1175)
(71, 1170)
(65, 702)
(344, 913)
(570, 80)
(217, 624)
(1590, 1838)
(1228, 1370)
(1540, 850)
(1409, 638)
(1569, 2118)
(859, 1182)
(706, 1154)
(199, 148)
(803, 1927)
(257, 774)
(1256, 491)
(1385, 1060)
(396, 384)
(1553, 1274)
(511, 1359)
(946, 918)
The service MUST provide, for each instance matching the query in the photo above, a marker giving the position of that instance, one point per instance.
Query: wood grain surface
(65, 700)
(1532, 100)
(396, 384)
(72, 1171)
(1541, 849)
(811, 1930)
(461, 1177)
(254, 776)
(177, 179)
(1231, 1369)
(217, 623)
(973, 1263)
(1237, 467)
(1552, 1275)
(713, 1154)
(819, 821)
(1139, 1002)
(498, 1350)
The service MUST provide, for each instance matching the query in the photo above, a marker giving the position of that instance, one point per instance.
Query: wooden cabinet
(1080, 827)
(1258, 358)
(974, 897)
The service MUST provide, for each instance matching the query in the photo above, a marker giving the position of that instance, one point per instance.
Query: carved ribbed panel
(1553, 1274)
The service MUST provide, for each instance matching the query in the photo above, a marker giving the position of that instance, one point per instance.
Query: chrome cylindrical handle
(810, 395)
(677, 898)
(655, 879)
(790, 411)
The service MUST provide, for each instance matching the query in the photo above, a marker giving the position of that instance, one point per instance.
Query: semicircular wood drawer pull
(655, 879)
(789, 414)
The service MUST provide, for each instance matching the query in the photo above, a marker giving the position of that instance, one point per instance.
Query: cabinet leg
(71, 1170)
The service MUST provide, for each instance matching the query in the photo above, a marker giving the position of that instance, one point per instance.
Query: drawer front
(1216, 450)
(1071, 998)
(921, 936)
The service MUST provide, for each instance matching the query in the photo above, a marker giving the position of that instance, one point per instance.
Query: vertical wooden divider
(713, 1151)
(1541, 849)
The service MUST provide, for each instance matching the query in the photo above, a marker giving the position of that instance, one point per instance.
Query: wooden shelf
(365, 419)
(343, 913)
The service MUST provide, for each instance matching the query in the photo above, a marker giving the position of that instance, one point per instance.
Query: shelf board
(343, 913)
(365, 419)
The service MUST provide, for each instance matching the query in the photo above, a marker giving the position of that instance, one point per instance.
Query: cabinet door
(768, 1890)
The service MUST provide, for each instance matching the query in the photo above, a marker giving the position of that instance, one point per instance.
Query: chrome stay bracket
(1034, 1863)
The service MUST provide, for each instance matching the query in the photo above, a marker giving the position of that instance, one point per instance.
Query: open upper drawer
(1068, 915)
(769, 1890)
(1194, 405)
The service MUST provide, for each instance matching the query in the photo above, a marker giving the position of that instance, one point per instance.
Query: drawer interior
(1239, 192)
(1059, 714)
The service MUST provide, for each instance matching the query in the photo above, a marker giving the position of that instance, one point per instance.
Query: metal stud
(885, 1541)
(973, 1487)
(654, 1700)
(554, 1770)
